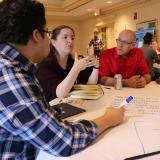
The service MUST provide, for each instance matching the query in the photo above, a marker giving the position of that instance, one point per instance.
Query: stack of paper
(86, 91)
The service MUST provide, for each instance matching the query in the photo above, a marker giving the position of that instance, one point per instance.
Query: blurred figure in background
(158, 80)
(154, 46)
(97, 44)
(150, 54)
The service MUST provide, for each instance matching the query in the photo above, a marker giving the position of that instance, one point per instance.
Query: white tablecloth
(127, 139)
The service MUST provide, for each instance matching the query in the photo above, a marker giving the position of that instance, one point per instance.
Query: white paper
(140, 106)
(148, 134)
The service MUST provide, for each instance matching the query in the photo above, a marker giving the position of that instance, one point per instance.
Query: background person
(97, 44)
(125, 60)
(27, 123)
(158, 80)
(154, 46)
(150, 55)
(60, 70)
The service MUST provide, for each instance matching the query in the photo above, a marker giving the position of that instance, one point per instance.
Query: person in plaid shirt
(97, 44)
(27, 123)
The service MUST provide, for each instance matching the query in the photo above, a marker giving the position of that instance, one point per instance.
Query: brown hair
(56, 31)
(54, 34)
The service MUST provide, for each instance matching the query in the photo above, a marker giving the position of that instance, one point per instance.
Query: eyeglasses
(46, 31)
(123, 42)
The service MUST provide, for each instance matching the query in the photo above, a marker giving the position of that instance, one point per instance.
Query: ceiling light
(89, 9)
(109, 2)
(100, 24)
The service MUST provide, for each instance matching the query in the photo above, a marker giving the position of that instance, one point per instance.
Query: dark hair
(56, 31)
(147, 39)
(18, 19)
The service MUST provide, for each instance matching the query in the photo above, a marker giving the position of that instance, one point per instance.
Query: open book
(86, 91)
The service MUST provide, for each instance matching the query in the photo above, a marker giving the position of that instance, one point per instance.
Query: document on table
(148, 134)
(140, 106)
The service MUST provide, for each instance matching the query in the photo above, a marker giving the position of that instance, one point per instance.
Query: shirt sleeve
(26, 115)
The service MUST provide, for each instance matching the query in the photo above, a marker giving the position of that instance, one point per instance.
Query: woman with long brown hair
(59, 72)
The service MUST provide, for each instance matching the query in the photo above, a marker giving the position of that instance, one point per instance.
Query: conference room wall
(121, 19)
(115, 21)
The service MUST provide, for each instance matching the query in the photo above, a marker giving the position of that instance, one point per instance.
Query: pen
(107, 87)
(126, 101)
(142, 155)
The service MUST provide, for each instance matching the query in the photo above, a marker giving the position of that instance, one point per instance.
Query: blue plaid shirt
(26, 123)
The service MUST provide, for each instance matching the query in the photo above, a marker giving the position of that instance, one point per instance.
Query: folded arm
(136, 81)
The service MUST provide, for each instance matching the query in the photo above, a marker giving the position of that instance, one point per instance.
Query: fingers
(137, 81)
(136, 77)
(140, 85)
(141, 82)
(92, 61)
(87, 61)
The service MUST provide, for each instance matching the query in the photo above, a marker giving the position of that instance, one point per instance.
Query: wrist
(75, 70)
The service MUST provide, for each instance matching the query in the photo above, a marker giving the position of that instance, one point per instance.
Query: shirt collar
(117, 56)
(12, 54)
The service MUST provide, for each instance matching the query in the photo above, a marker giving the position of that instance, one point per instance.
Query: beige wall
(114, 21)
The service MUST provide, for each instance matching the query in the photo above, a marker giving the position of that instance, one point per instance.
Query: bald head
(129, 34)
(125, 42)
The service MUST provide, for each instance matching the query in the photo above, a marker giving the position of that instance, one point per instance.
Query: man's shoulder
(6, 62)
(109, 51)
(137, 51)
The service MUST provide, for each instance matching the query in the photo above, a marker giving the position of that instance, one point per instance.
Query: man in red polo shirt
(125, 60)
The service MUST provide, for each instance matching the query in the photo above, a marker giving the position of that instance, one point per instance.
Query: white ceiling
(79, 8)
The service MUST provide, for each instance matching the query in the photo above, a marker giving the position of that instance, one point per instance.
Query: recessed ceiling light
(89, 9)
(109, 2)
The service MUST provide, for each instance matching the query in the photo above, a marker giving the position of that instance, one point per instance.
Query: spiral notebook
(86, 91)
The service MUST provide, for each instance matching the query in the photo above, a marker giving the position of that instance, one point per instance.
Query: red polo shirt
(133, 64)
